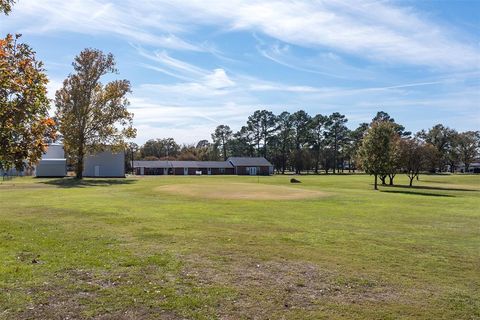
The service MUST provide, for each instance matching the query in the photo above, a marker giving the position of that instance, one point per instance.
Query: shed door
(97, 171)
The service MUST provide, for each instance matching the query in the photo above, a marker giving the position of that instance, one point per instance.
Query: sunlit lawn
(240, 248)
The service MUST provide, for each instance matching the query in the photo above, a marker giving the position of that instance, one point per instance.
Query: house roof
(151, 164)
(182, 164)
(201, 164)
(247, 161)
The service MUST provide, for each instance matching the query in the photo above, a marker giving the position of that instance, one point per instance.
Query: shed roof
(52, 160)
(247, 161)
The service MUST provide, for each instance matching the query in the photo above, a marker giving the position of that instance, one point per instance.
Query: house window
(222, 170)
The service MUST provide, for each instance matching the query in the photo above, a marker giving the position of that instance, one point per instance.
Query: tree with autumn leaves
(24, 122)
(25, 125)
(6, 6)
(93, 117)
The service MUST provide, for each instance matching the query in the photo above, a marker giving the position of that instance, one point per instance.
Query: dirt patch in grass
(279, 288)
(240, 191)
(73, 293)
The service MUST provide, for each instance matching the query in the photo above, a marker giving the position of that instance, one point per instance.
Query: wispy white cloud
(380, 31)
(374, 30)
(122, 19)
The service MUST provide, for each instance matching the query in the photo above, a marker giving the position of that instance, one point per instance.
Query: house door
(185, 171)
(165, 171)
(97, 171)
(209, 171)
(252, 171)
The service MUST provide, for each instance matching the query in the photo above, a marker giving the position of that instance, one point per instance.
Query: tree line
(299, 142)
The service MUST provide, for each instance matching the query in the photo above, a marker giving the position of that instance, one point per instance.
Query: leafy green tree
(375, 153)
(93, 116)
(452, 154)
(468, 146)
(337, 133)
(165, 148)
(300, 137)
(354, 142)
(284, 137)
(442, 138)
(24, 121)
(242, 144)
(203, 144)
(151, 148)
(412, 157)
(188, 152)
(222, 138)
(395, 161)
(207, 151)
(432, 157)
(383, 116)
(262, 125)
(318, 126)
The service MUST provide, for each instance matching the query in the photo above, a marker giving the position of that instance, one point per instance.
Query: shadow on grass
(429, 188)
(417, 193)
(83, 183)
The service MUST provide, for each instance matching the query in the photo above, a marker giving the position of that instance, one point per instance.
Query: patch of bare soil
(60, 301)
(240, 191)
(264, 290)
(280, 287)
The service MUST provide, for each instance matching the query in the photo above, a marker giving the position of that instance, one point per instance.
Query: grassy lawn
(240, 248)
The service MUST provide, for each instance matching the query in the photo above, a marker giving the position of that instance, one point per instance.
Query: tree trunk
(391, 177)
(382, 178)
(335, 158)
(79, 165)
(411, 181)
(376, 183)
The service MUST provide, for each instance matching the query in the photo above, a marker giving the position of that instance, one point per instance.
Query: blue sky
(196, 64)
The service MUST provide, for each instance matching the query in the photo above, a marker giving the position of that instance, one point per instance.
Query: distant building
(53, 162)
(474, 167)
(240, 166)
(105, 164)
(182, 167)
(201, 167)
(152, 168)
(251, 166)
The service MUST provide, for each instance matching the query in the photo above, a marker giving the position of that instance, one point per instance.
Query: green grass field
(240, 248)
